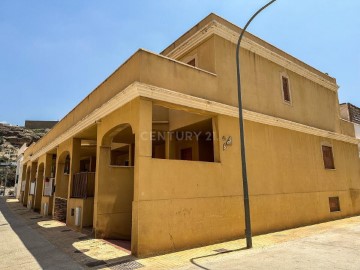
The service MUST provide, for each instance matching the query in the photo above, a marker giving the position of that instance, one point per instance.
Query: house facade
(152, 154)
(351, 113)
(19, 168)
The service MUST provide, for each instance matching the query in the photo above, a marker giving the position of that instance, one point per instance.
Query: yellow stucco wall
(114, 187)
(187, 203)
(49, 201)
(86, 216)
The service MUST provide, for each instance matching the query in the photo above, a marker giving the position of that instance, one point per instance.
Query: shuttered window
(328, 157)
(286, 89)
(334, 204)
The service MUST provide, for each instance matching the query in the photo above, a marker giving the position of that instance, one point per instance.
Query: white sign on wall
(32, 188)
(48, 186)
(23, 183)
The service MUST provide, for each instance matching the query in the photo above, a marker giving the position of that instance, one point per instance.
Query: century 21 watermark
(177, 135)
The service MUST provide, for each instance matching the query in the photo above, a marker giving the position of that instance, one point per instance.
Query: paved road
(21, 247)
(335, 249)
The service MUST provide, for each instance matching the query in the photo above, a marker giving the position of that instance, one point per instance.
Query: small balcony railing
(83, 185)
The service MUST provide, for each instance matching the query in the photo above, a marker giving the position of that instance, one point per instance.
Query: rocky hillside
(13, 137)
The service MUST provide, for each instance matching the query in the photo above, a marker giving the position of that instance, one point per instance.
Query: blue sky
(53, 53)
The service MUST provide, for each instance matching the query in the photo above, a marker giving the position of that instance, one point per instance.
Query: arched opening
(62, 186)
(39, 187)
(116, 185)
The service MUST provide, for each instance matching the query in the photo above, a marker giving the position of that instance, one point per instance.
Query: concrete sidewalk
(335, 249)
(329, 245)
(23, 248)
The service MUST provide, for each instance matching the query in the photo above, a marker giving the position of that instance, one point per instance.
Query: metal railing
(83, 185)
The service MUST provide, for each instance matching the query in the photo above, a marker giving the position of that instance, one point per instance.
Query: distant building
(31, 124)
(351, 113)
(19, 169)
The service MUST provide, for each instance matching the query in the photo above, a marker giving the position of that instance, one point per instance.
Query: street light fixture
(248, 233)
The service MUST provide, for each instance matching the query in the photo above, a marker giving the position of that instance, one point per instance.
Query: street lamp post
(248, 233)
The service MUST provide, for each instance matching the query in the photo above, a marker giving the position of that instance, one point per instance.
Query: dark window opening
(192, 62)
(88, 164)
(158, 145)
(123, 148)
(286, 89)
(182, 135)
(328, 157)
(53, 166)
(85, 165)
(186, 154)
(121, 156)
(67, 165)
(334, 204)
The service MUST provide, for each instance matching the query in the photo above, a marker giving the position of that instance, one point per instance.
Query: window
(48, 186)
(182, 135)
(186, 154)
(32, 188)
(120, 156)
(192, 62)
(334, 204)
(328, 157)
(67, 165)
(53, 166)
(123, 147)
(286, 89)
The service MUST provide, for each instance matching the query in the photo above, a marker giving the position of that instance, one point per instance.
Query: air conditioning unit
(45, 209)
(77, 216)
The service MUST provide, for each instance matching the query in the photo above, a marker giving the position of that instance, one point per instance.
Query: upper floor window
(328, 157)
(285, 84)
(191, 60)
